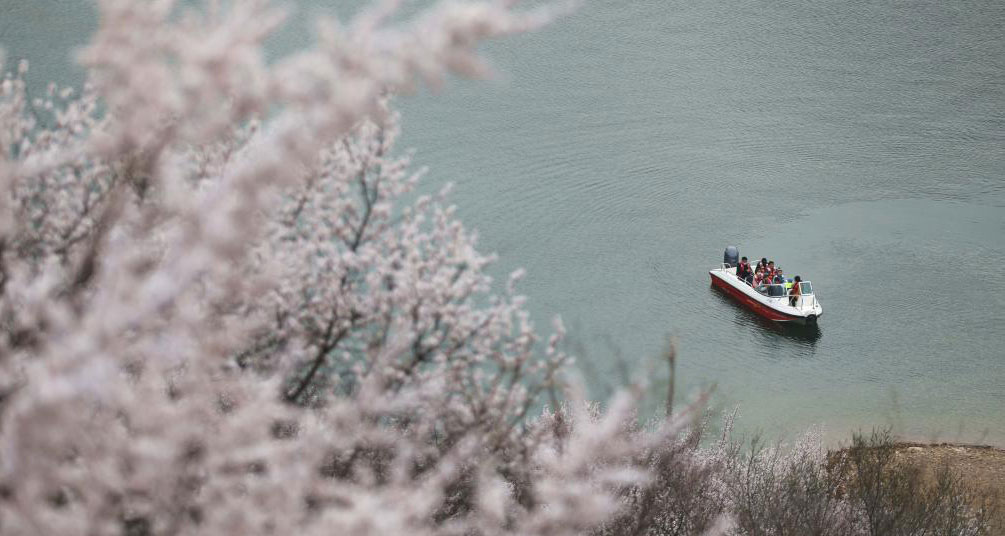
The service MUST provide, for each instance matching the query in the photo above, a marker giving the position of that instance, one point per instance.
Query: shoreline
(981, 466)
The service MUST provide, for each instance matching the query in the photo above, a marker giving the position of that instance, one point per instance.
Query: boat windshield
(776, 290)
(805, 288)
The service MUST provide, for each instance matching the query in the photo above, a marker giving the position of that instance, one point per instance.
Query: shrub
(219, 315)
(894, 497)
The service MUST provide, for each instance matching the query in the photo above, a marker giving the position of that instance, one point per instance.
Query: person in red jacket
(743, 271)
(794, 293)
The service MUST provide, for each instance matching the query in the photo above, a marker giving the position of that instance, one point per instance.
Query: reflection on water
(808, 334)
(771, 332)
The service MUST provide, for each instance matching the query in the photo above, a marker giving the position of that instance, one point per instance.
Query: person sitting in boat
(743, 271)
(794, 293)
(779, 278)
(769, 271)
(762, 264)
(758, 277)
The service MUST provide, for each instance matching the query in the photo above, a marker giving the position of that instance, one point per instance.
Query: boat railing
(802, 300)
(806, 299)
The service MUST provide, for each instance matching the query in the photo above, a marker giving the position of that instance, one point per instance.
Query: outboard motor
(731, 257)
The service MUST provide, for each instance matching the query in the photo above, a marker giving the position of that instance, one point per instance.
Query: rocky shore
(981, 467)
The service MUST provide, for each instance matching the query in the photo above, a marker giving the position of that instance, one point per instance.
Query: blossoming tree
(220, 313)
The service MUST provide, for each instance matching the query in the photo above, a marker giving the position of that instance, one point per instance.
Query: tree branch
(319, 359)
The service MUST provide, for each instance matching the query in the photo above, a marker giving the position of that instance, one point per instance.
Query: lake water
(858, 144)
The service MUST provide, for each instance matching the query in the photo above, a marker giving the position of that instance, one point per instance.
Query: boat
(768, 300)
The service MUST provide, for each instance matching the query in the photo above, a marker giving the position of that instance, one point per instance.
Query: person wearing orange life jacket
(769, 272)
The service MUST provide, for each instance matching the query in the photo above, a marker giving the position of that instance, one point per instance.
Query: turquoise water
(858, 144)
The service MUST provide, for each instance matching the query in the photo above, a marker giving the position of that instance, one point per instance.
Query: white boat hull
(806, 311)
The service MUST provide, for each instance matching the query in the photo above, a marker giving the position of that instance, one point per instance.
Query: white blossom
(220, 314)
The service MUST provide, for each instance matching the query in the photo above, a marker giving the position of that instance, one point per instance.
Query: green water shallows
(858, 144)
